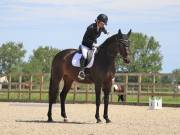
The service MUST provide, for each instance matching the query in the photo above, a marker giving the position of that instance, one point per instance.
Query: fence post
(41, 86)
(139, 87)
(154, 82)
(148, 88)
(87, 89)
(9, 86)
(20, 85)
(74, 94)
(30, 89)
(174, 84)
(126, 88)
(111, 96)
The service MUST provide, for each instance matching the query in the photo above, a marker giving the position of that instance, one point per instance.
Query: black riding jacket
(91, 35)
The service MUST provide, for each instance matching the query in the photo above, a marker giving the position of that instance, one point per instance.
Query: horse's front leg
(106, 89)
(98, 100)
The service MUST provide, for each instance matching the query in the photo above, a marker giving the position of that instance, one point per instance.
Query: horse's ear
(129, 33)
(119, 32)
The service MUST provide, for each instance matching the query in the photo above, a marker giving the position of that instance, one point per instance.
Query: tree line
(12, 58)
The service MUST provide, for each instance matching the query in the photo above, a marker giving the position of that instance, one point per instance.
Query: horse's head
(118, 43)
(123, 44)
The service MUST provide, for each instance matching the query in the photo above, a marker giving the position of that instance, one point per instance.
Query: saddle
(89, 61)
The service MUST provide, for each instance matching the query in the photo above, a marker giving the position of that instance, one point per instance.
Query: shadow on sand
(60, 122)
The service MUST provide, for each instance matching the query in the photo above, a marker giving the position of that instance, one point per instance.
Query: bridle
(124, 43)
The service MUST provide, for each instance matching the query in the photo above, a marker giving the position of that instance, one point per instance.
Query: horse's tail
(52, 93)
(54, 88)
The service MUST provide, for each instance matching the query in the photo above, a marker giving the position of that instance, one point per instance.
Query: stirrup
(81, 75)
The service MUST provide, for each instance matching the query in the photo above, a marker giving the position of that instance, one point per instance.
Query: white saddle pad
(76, 60)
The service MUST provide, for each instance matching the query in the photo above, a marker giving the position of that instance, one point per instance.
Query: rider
(90, 40)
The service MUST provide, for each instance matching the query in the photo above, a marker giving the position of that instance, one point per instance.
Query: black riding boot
(81, 74)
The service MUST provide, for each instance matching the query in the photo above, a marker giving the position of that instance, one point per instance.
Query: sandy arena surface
(30, 118)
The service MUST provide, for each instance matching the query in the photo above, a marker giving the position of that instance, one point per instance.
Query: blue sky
(62, 23)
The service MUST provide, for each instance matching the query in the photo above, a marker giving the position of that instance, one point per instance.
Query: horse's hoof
(99, 121)
(108, 121)
(66, 120)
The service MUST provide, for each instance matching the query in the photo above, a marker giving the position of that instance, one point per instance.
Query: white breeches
(84, 50)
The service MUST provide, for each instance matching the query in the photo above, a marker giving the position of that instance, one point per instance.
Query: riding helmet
(103, 18)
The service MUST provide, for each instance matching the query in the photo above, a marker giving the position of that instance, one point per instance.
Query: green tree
(166, 79)
(145, 55)
(41, 60)
(176, 72)
(11, 56)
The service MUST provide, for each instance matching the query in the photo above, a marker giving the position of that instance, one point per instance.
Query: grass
(145, 99)
(35, 97)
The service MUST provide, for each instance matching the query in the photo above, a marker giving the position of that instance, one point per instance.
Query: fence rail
(142, 85)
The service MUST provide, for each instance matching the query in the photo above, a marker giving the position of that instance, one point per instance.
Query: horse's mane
(108, 41)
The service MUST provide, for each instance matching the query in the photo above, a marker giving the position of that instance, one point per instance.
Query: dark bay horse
(101, 73)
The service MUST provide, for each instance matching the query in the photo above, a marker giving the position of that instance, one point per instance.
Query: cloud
(110, 4)
(61, 2)
(38, 11)
(141, 4)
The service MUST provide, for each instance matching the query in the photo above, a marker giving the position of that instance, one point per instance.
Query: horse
(3, 79)
(101, 73)
(118, 88)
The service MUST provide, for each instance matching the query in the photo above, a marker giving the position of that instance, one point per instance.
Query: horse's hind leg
(53, 92)
(67, 85)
